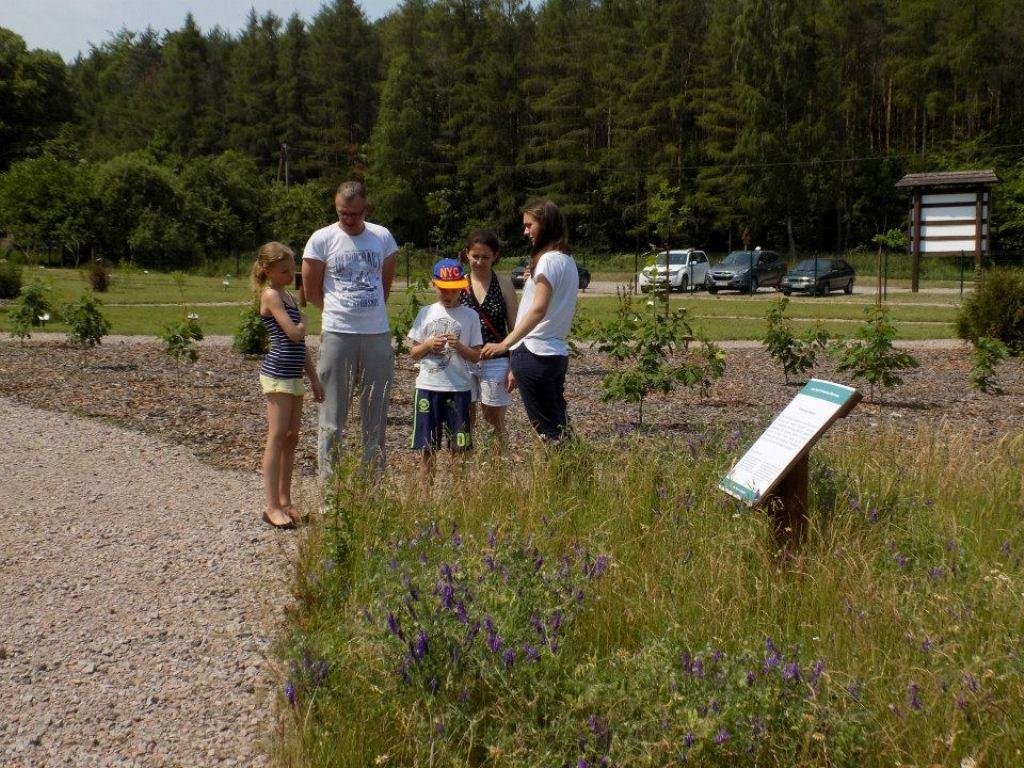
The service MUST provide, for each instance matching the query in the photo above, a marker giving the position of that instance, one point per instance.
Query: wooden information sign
(776, 464)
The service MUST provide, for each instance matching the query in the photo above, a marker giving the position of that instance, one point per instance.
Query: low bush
(180, 339)
(871, 356)
(795, 354)
(32, 309)
(985, 358)
(86, 324)
(251, 336)
(10, 279)
(995, 309)
(98, 275)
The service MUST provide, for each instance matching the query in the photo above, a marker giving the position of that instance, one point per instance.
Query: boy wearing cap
(445, 338)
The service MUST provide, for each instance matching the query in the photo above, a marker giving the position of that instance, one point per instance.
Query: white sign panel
(792, 433)
(953, 213)
(951, 246)
(948, 198)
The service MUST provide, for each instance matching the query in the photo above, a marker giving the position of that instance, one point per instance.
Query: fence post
(961, 275)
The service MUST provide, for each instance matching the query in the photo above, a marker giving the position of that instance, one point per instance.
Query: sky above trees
(71, 26)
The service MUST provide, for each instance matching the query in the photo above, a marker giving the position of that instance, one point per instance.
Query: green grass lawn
(138, 303)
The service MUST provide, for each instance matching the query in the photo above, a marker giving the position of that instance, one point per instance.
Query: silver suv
(746, 271)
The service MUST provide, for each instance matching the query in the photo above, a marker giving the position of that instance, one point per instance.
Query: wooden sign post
(773, 473)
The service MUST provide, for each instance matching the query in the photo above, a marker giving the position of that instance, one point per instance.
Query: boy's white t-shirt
(549, 336)
(353, 281)
(446, 371)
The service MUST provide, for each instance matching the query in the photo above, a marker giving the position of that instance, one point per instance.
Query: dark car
(746, 271)
(519, 271)
(819, 276)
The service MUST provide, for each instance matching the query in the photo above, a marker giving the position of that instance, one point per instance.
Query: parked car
(519, 275)
(746, 271)
(687, 269)
(819, 276)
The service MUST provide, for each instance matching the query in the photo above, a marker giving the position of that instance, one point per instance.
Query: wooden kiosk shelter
(949, 214)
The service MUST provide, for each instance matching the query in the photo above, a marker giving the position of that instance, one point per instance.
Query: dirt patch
(214, 407)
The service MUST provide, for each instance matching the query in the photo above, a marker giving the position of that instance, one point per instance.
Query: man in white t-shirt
(347, 270)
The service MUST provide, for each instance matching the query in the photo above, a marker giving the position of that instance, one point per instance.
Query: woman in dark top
(492, 297)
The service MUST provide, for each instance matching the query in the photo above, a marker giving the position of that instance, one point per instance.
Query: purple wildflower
(460, 612)
(555, 622)
(420, 647)
(971, 682)
(722, 736)
(490, 562)
(1005, 549)
(688, 739)
(791, 672)
(817, 668)
(717, 656)
(394, 627)
(961, 702)
(508, 658)
(771, 661)
(579, 595)
(447, 597)
(926, 644)
(936, 573)
(539, 628)
(901, 560)
(492, 538)
(873, 515)
(751, 677)
(290, 694)
(446, 572)
(582, 764)
(912, 697)
(697, 668)
(531, 653)
(854, 690)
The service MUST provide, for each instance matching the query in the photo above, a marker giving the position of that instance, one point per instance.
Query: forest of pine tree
(668, 121)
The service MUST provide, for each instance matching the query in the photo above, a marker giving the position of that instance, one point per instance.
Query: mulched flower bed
(214, 406)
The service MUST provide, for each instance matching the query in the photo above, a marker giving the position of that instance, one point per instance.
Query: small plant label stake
(773, 472)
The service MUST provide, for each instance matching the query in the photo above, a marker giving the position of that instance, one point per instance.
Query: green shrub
(98, 275)
(995, 309)
(402, 320)
(32, 310)
(87, 325)
(871, 356)
(180, 339)
(794, 354)
(10, 280)
(646, 342)
(251, 336)
(986, 355)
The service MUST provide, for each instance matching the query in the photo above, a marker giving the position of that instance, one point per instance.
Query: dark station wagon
(819, 277)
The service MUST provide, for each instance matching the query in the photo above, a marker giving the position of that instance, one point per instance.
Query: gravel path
(139, 597)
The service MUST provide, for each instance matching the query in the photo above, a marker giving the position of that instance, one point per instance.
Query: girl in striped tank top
(281, 377)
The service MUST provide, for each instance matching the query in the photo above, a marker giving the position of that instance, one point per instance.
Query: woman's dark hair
(484, 237)
(554, 232)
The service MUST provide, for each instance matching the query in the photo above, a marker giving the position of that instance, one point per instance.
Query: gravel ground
(140, 596)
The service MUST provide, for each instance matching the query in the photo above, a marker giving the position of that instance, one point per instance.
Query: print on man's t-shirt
(359, 275)
(438, 361)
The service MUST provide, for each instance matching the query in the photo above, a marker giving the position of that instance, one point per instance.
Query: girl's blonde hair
(267, 256)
